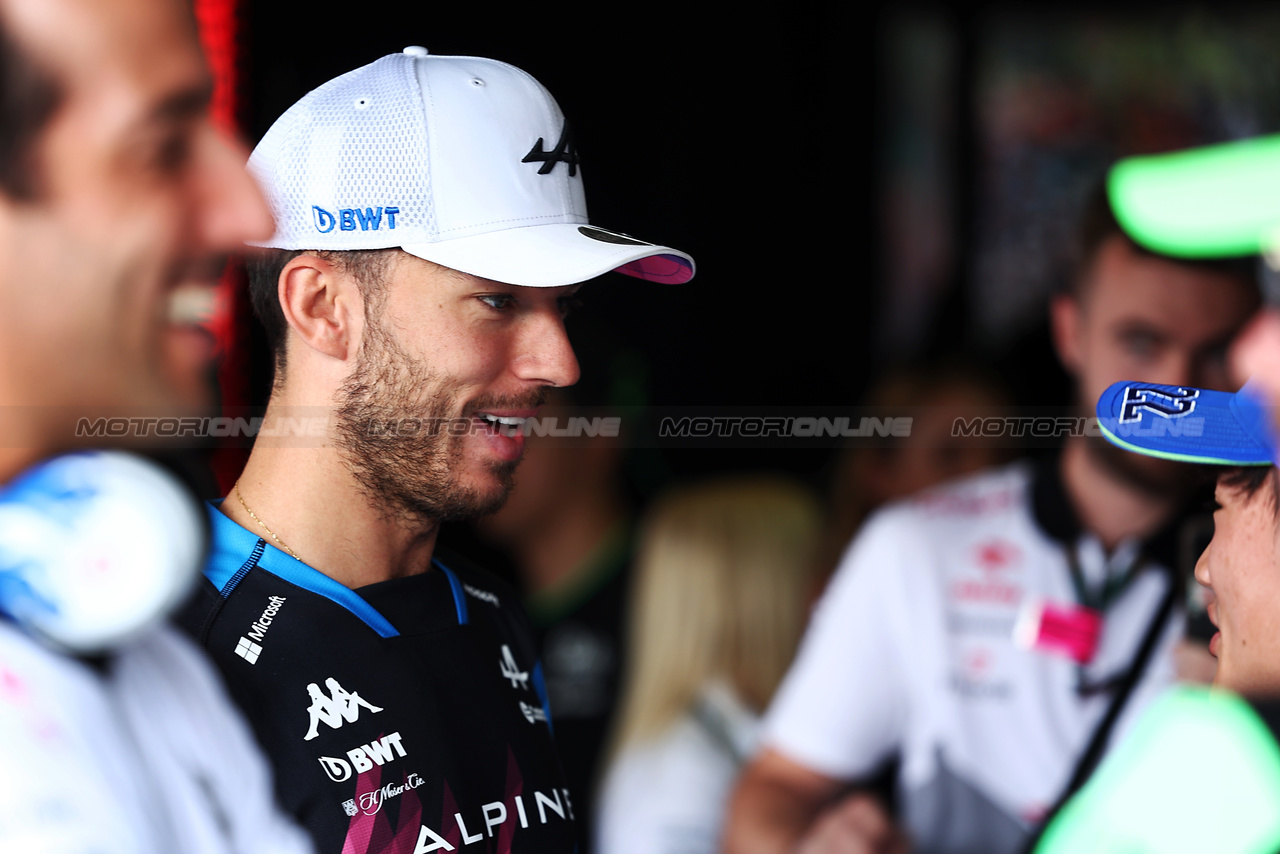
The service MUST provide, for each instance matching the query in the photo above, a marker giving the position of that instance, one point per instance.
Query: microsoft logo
(248, 650)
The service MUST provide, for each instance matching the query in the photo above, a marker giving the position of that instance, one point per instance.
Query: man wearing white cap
(432, 232)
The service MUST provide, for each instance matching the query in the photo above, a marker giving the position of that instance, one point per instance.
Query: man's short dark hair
(1250, 479)
(29, 96)
(367, 266)
(1098, 224)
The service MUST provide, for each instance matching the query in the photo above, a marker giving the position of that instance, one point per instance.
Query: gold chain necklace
(279, 541)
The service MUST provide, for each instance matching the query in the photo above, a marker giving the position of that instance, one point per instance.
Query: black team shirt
(404, 717)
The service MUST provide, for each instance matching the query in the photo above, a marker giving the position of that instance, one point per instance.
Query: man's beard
(1156, 477)
(394, 421)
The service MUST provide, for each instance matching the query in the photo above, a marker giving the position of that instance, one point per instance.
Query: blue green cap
(1192, 425)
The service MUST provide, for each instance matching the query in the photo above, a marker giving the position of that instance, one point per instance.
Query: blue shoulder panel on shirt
(459, 595)
(231, 543)
(540, 688)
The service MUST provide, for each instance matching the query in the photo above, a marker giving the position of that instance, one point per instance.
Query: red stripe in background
(220, 25)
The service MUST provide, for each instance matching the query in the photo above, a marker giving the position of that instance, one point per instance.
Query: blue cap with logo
(1188, 424)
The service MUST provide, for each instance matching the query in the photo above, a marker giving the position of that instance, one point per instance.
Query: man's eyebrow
(1140, 325)
(183, 104)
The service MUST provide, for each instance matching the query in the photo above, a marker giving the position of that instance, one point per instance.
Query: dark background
(862, 187)
(743, 138)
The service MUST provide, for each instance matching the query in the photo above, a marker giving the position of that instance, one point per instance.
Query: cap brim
(1187, 424)
(1217, 201)
(548, 256)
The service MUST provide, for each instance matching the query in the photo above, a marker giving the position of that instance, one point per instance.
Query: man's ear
(1064, 322)
(322, 306)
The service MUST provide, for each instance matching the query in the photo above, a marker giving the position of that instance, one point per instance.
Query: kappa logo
(564, 152)
(511, 671)
(1166, 404)
(341, 706)
(351, 219)
(363, 758)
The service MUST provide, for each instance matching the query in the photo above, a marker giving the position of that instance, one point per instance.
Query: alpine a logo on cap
(1166, 404)
(564, 152)
(354, 219)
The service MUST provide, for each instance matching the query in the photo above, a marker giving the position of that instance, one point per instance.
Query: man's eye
(499, 302)
(167, 154)
(173, 153)
(1141, 344)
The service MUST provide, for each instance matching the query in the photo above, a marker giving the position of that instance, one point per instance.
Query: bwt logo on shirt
(363, 758)
(351, 219)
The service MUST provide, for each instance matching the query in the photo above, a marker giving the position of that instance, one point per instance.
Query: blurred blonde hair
(723, 578)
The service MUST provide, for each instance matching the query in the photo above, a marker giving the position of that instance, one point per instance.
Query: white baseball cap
(463, 161)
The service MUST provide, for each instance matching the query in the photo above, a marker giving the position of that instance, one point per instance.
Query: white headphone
(95, 547)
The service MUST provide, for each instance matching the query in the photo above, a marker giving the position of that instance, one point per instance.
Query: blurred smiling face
(138, 198)
(1241, 568)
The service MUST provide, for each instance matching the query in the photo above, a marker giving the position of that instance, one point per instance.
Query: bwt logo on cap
(353, 219)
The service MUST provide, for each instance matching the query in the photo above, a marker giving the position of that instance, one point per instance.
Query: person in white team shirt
(117, 198)
(912, 654)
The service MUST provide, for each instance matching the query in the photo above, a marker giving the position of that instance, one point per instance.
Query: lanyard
(1121, 569)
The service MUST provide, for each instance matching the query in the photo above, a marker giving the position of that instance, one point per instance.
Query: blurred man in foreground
(118, 199)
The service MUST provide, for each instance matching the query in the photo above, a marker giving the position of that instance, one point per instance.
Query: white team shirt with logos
(146, 756)
(911, 652)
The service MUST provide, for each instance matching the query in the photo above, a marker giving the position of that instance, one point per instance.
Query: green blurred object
(1217, 201)
(1199, 773)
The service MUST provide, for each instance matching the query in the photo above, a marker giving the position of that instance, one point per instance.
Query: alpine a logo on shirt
(246, 648)
(353, 219)
(363, 758)
(492, 816)
(511, 671)
(341, 706)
